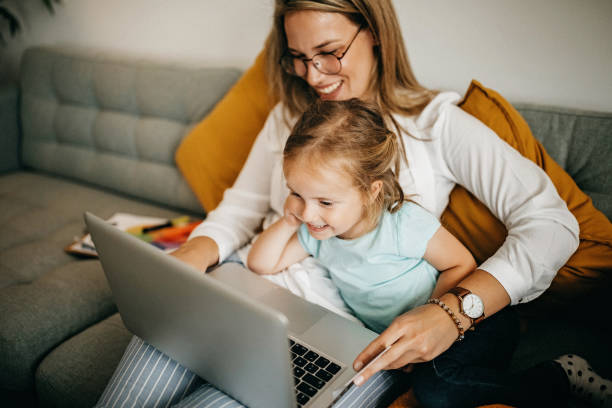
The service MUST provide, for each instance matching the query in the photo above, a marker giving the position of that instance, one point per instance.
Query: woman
(340, 49)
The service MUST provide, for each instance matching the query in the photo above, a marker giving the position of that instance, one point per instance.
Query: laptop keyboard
(311, 372)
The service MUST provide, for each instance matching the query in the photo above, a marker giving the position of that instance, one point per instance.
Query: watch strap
(460, 292)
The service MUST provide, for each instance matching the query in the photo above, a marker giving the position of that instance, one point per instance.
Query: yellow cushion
(212, 154)
(589, 270)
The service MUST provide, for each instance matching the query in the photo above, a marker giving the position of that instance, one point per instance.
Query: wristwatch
(471, 305)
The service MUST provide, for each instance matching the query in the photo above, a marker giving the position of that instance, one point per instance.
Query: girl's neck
(363, 228)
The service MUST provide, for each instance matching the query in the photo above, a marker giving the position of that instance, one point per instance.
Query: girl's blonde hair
(353, 135)
(393, 83)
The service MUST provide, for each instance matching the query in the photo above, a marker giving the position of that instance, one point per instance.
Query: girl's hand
(416, 336)
(293, 205)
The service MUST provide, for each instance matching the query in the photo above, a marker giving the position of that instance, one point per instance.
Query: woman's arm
(445, 253)
(234, 222)
(542, 232)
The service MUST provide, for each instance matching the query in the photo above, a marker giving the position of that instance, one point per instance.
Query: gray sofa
(97, 132)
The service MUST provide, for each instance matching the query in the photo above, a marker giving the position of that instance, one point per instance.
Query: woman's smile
(329, 91)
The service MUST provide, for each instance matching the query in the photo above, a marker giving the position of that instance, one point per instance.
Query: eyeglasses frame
(305, 61)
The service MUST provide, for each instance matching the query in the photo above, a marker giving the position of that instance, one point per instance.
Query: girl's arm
(278, 246)
(445, 253)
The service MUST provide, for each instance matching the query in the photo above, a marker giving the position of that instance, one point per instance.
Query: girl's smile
(316, 229)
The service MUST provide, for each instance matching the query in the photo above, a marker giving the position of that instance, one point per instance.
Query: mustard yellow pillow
(212, 154)
(589, 271)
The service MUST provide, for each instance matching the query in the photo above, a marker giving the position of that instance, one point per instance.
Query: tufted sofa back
(581, 142)
(114, 122)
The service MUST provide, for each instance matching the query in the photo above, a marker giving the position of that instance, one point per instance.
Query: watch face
(473, 306)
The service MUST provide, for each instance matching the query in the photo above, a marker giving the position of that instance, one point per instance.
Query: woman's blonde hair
(393, 82)
(352, 135)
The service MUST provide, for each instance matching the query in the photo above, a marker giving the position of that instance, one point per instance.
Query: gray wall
(544, 51)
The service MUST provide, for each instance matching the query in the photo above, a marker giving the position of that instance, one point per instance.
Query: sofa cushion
(581, 142)
(46, 295)
(38, 316)
(211, 156)
(9, 131)
(588, 271)
(112, 121)
(76, 372)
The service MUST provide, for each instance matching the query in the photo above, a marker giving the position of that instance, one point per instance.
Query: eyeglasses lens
(324, 63)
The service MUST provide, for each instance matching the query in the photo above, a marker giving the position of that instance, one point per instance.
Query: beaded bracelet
(448, 310)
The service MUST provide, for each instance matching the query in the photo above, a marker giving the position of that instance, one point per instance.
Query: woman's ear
(375, 188)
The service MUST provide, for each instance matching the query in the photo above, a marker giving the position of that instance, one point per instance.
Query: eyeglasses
(325, 62)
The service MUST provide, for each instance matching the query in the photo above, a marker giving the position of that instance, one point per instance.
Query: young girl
(347, 209)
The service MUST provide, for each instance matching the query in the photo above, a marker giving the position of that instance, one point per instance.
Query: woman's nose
(313, 75)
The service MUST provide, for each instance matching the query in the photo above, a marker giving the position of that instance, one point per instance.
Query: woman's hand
(416, 336)
(293, 205)
(425, 332)
(199, 252)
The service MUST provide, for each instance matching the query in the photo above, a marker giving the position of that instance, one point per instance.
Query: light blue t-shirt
(381, 274)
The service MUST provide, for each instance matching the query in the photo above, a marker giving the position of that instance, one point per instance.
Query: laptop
(252, 339)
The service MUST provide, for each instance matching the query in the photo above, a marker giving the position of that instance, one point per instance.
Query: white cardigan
(447, 147)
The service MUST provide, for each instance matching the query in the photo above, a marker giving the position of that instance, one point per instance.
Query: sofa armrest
(9, 127)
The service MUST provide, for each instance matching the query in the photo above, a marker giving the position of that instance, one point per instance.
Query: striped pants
(146, 377)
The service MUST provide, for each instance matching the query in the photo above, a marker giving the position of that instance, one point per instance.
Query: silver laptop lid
(234, 342)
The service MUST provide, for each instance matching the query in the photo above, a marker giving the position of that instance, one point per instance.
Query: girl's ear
(375, 188)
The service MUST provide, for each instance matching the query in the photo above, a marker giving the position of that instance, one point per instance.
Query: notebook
(239, 331)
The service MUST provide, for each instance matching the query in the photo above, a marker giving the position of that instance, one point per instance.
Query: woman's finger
(405, 357)
(376, 346)
(402, 353)
(389, 360)
(373, 349)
